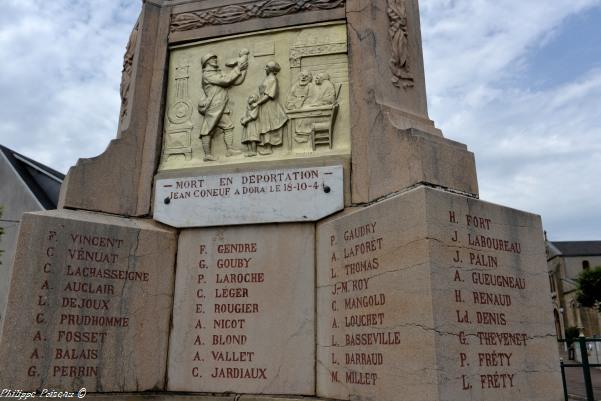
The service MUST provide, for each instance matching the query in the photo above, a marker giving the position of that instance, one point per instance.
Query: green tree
(572, 333)
(589, 288)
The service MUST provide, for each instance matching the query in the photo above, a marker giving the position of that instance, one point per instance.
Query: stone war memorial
(278, 218)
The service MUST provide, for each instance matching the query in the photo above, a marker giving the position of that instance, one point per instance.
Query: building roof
(43, 181)
(578, 248)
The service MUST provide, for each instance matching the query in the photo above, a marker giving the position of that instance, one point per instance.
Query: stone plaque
(244, 314)
(434, 296)
(265, 196)
(256, 97)
(99, 296)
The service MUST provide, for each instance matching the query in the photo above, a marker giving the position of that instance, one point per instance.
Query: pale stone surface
(119, 181)
(191, 397)
(394, 143)
(244, 310)
(99, 293)
(263, 196)
(372, 50)
(425, 159)
(205, 100)
(413, 299)
(380, 127)
(159, 397)
(128, 164)
(189, 19)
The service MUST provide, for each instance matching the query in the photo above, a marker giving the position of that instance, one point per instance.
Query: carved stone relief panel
(234, 13)
(273, 95)
(126, 73)
(398, 34)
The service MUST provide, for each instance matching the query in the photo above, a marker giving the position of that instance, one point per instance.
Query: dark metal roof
(43, 181)
(578, 248)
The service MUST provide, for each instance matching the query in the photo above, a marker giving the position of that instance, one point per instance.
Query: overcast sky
(518, 81)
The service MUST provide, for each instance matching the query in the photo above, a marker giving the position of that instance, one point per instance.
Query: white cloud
(536, 149)
(469, 41)
(61, 87)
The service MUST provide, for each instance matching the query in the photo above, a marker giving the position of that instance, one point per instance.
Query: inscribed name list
(264, 196)
(244, 311)
(99, 294)
(437, 297)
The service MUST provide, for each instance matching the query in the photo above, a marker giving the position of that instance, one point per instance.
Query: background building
(565, 260)
(25, 186)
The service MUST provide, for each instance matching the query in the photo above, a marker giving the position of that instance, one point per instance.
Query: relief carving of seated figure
(320, 93)
(324, 92)
(299, 91)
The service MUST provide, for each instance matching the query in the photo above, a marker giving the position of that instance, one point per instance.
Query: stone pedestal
(395, 145)
(251, 112)
(89, 304)
(244, 313)
(434, 296)
(382, 114)
(194, 397)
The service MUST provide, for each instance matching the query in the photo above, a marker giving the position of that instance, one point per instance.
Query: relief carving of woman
(271, 116)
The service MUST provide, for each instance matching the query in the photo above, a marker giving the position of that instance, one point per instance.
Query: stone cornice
(243, 11)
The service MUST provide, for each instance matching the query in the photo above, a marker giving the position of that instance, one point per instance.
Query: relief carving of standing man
(214, 104)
